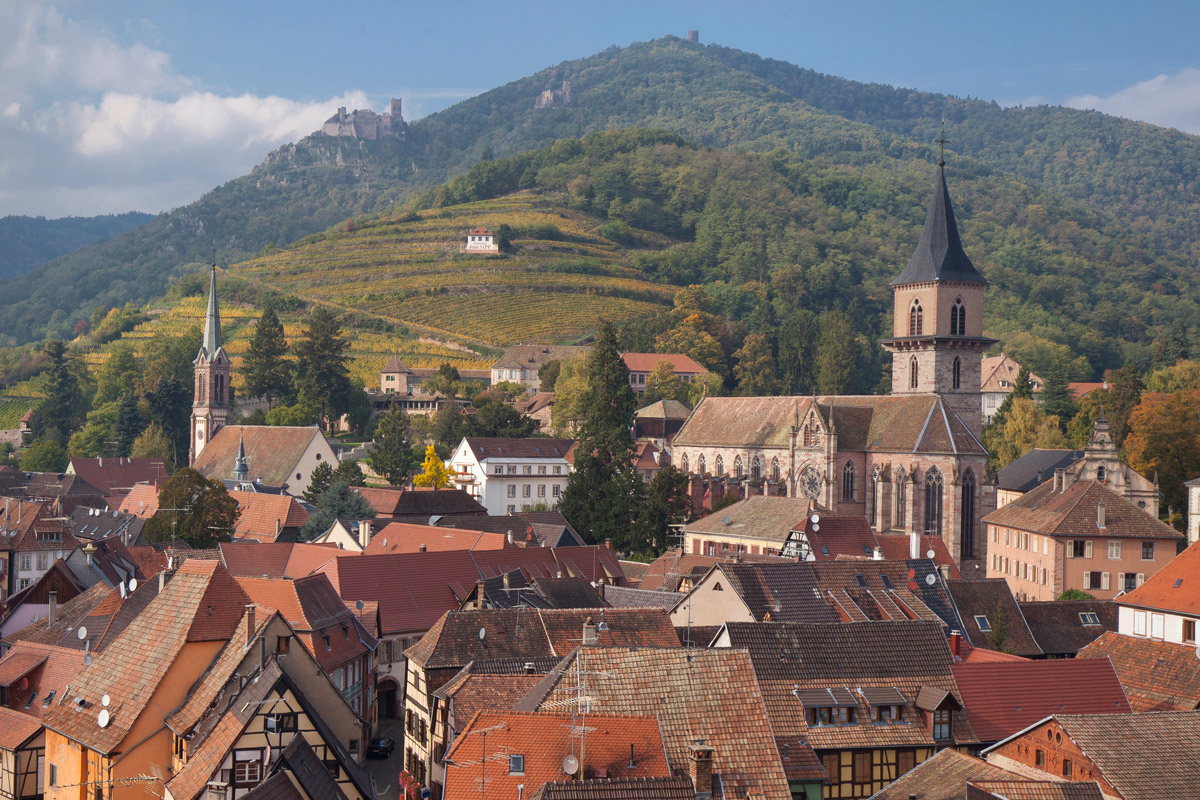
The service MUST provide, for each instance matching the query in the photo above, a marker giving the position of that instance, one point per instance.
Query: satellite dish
(929, 554)
(104, 701)
(815, 518)
(87, 659)
(359, 604)
(816, 527)
(931, 579)
(132, 585)
(482, 634)
(570, 764)
(102, 718)
(82, 633)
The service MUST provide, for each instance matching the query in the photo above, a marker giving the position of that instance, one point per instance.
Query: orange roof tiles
(271, 451)
(403, 537)
(943, 777)
(645, 362)
(1004, 698)
(142, 501)
(263, 517)
(544, 740)
(277, 559)
(16, 728)
(1175, 587)
(55, 667)
(1157, 676)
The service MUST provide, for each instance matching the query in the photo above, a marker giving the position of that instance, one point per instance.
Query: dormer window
(885, 703)
(943, 721)
(834, 706)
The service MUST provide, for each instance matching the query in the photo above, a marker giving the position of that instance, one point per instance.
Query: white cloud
(1169, 100)
(90, 126)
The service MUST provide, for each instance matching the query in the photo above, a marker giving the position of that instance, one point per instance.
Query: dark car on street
(381, 747)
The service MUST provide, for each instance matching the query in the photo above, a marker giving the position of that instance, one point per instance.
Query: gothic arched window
(737, 467)
(901, 497)
(720, 467)
(810, 434)
(702, 466)
(958, 318)
(1100, 473)
(967, 529)
(776, 474)
(956, 372)
(684, 463)
(756, 469)
(913, 373)
(933, 502)
(848, 481)
(916, 318)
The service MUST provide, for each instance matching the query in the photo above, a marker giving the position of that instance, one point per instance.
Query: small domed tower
(937, 341)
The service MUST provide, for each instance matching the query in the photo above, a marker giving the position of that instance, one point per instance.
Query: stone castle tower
(937, 341)
(210, 403)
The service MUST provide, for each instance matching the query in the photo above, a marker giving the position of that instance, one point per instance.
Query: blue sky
(110, 106)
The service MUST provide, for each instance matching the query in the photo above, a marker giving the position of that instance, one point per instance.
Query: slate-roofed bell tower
(210, 403)
(937, 339)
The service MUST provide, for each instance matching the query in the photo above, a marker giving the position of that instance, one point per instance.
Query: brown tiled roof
(995, 369)
(201, 603)
(706, 694)
(906, 656)
(205, 691)
(1157, 676)
(886, 590)
(485, 448)
(1058, 628)
(632, 597)
(529, 633)
(1004, 698)
(569, 593)
(991, 598)
(1143, 756)
(423, 503)
(1034, 790)
(16, 728)
(757, 516)
(1174, 588)
(271, 451)
(280, 787)
(1073, 513)
(118, 475)
(68, 617)
(262, 517)
(785, 592)
(534, 403)
(311, 606)
(404, 537)
(666, 572)
(943, 777)
(394, 364)
(664, 409)
(46, 668)
(645, 362)
(308, 771)
(899, 423)
(545, 740)
(675, 788)
(277, 559)
(472, 693)
(142, 501)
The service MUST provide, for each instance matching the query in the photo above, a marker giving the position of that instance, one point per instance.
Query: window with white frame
(1114, 549)
(1139, 623)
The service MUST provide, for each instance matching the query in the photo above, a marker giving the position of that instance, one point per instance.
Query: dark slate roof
(991, 597)
(569, 593)
(1058, 628)
(631, 597)
(1035, 468)
(939, 255)
(788, 592)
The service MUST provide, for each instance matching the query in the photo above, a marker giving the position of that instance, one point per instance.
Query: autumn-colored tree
(1164, 440)
(434, 474)
(1181, 375)
(756, 371)
(663, 384)
(692, 339)
(1025, 427)
(193, 508)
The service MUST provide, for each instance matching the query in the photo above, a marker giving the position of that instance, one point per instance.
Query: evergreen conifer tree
(322, 378)
(392, 454)
(265, 369)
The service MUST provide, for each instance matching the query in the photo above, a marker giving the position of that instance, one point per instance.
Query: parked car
(381, 747)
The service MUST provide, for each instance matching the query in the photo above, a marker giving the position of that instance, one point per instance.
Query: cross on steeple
(942, 141)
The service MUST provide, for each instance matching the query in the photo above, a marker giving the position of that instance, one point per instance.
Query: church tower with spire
(937, 342)
(210, 403)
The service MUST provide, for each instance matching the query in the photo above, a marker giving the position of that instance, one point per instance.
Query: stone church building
(911, 461)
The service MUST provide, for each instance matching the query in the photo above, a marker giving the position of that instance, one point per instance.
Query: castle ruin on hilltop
(363, 123)
(553, 98)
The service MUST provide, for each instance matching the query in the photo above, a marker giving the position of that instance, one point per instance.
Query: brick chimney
(700, 770)
(249, 623)
(364, 532)
(955, 642)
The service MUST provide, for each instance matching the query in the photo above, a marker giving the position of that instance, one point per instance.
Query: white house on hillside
(510, 475)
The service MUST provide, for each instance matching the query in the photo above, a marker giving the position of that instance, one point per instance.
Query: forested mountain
(1081, 221)
(26, 242)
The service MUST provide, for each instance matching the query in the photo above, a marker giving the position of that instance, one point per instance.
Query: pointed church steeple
(212, 318)
(939, 255)
(241, 470)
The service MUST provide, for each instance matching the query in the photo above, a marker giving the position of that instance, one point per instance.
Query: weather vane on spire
(942, 141)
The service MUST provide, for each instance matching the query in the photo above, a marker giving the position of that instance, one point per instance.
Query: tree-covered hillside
(26, 242)
(1116, 197)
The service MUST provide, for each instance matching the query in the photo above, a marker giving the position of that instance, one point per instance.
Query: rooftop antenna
(942, 141)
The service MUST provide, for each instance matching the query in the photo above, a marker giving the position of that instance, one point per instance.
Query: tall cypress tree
(265, 368)
(604, 491)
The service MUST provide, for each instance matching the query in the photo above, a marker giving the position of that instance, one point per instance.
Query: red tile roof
(43, 669)
(1074, 513)
(545, 740)
(1004, 698)
(943, 777)
(116, 476)
(645, 362)
(1157, 676)
(262, 517)
(277, 559)
(1174, 588)
(271, 451)
(403, 537)
(16, 728)
(142, 501)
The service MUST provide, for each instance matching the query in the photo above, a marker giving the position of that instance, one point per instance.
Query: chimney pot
(53, 607)
(914, 544)
(956, 643)
(249, 623)
(421, 548)
(700, 770)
